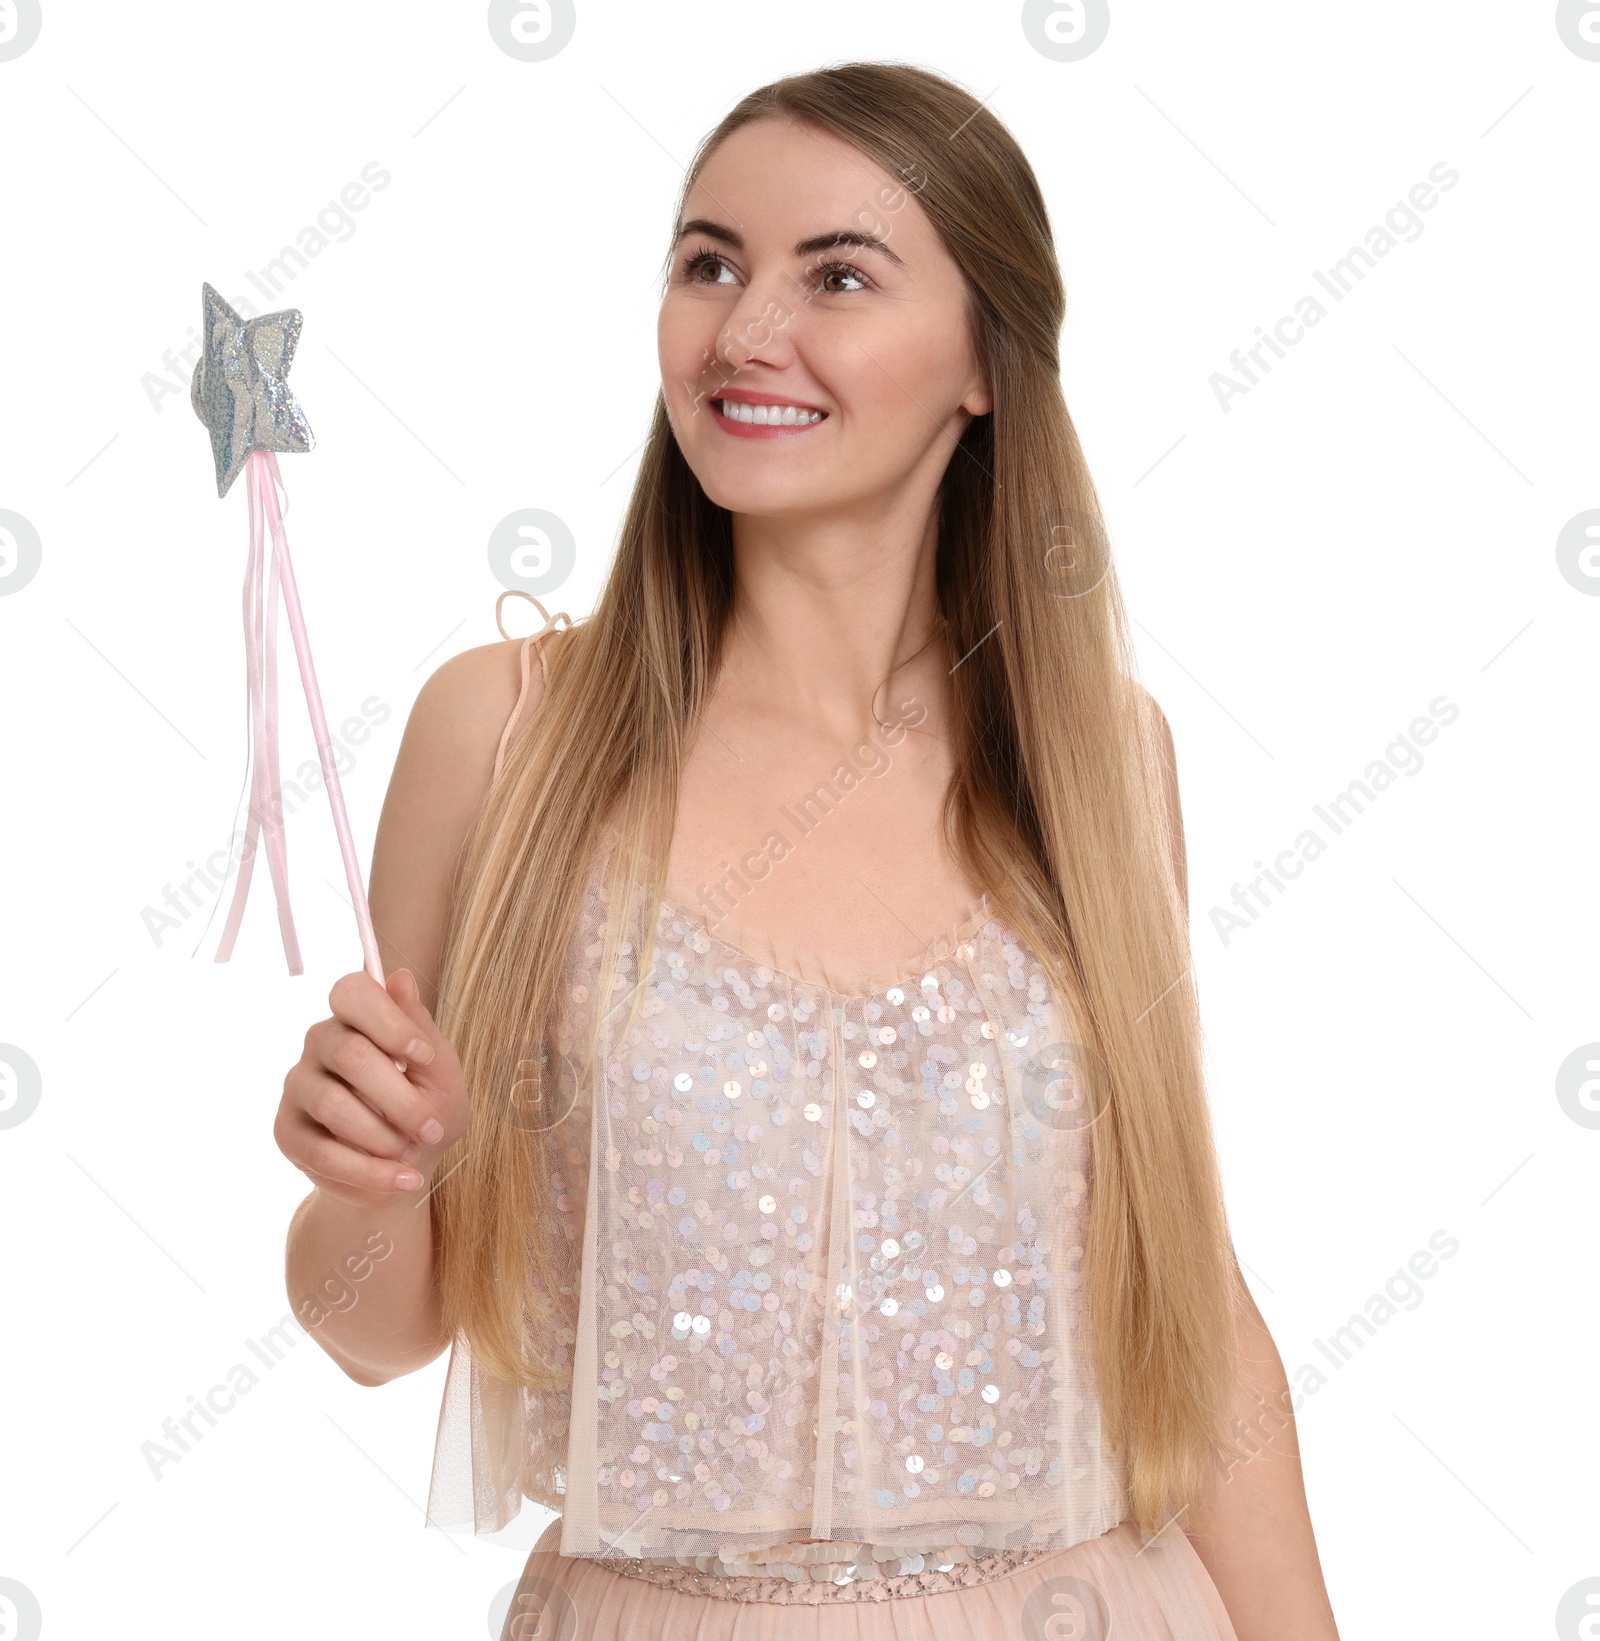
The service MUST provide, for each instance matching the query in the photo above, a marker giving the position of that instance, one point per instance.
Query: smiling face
(813, 337)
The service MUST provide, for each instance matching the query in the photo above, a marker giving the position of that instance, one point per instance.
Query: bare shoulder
(1163, 734)
(1169, 784)
(463, 708)
(466, 705)
(441, 776)
(1151, 707)
(1148, 708)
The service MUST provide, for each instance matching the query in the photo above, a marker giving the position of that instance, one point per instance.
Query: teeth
(769, 415)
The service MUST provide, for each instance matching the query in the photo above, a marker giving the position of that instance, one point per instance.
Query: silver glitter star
(239, 390)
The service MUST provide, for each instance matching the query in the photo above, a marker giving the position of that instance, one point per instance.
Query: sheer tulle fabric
(830, 1255)
(1103, 1589)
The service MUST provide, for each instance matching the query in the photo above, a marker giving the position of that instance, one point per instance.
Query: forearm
(361, 1281)
(1254, 1530)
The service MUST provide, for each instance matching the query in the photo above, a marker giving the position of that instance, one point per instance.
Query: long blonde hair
(1056, 808)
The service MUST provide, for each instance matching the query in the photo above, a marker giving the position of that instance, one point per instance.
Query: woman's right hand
(359, 1128)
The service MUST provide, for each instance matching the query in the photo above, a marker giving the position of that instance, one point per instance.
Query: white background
(1372, 526)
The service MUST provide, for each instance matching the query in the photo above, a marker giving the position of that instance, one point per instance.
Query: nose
(760, 328)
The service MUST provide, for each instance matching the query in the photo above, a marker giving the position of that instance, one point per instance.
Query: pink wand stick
(263, 477)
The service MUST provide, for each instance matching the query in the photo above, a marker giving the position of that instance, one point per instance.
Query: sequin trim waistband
(789, 1582)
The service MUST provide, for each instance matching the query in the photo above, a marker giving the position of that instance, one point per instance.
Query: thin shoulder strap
(552, 623)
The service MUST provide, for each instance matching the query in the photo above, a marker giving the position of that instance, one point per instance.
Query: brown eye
(841, 270)
(704, 267)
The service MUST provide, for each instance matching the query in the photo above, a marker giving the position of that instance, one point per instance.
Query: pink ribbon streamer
(263, 580)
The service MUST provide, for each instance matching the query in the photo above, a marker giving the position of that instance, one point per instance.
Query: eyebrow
(804, 247)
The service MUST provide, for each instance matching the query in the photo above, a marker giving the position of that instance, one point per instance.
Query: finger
(358, 1001)
(349, 1118)
(426, 1036)
(320, 1155)
(353, 1058)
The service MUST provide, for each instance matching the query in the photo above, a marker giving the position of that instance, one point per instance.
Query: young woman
(786, 1102)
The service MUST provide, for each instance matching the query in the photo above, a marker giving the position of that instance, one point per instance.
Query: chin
(759, 499)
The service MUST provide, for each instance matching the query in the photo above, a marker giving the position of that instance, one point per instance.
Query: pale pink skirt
(1105, 1589)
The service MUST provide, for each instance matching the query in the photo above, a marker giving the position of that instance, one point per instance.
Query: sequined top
(828, 1249)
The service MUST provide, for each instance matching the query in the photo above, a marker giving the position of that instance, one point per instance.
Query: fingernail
(431, 1130)
(405, 1180)
(411, 1153)
(418, 1052)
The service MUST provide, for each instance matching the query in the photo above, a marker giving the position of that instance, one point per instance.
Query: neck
(835, 621)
